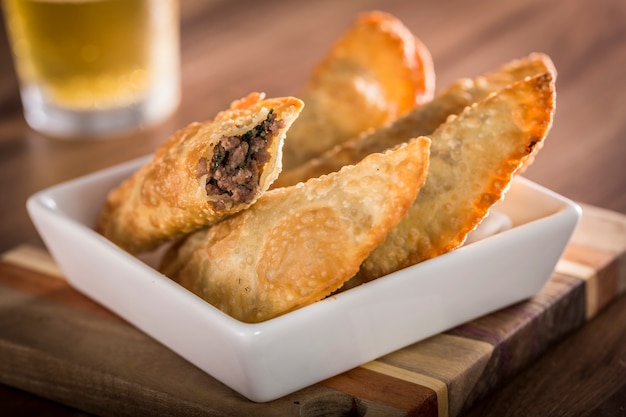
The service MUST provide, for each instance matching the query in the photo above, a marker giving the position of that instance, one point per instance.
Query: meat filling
(235, 168)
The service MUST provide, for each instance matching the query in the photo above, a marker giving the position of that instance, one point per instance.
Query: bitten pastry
(201, 174)
(473, 159)
(422, 120)
(375, 72)
(296, 245)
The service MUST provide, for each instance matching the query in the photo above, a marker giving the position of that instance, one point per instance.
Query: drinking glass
(91, 68)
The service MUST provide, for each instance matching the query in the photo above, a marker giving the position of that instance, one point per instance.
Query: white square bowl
(268, 360)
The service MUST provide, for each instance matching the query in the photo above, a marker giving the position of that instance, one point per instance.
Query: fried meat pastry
(296, 245)
(375, 72)
(422, 120)
(201, 174)
(473, 159)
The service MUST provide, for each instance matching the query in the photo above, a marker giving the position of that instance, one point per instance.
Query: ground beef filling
(234, 169)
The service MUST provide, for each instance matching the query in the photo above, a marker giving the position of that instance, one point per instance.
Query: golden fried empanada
(423, 120)
(201, 174)
(296, 245)
(375, 72)
(473, 159)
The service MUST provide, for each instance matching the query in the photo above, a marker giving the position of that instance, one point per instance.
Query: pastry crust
(298, 244)
(375, 72)
(422, 120)
(473, 159)
(168, 197)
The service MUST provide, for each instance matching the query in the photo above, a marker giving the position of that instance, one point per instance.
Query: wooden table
(232, 48)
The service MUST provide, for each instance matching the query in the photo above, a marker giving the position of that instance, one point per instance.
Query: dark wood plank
(558, 384)
(521, 333)
(24, 403)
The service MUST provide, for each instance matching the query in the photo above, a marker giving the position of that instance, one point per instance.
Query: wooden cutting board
(57, 343)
